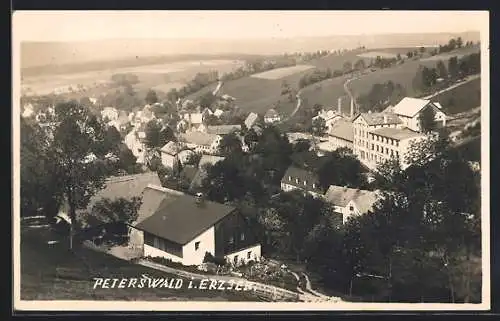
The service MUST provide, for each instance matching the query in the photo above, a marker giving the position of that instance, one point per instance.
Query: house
(194, 120)
(169, 154)
(271, 116)
(218, 113)
(223, 129)
(184, 228)
(134, 140)
(203, 143)
(28, 111)
(329, 116)
(410, 109)
(109, 113)
(341, 134)
(349, 201)
(121, 122)
(298, 178)
(251, 120)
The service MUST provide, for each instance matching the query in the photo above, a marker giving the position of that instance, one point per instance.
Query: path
(348, 91)
(468, 79)
(299, 103)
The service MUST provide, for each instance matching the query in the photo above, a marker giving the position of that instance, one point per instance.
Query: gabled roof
(199, 138)
(341, 196)
(342, 129)
(271, 113)
(223, 129)
(125, 187)
(396, 133)
(293, 173)
(152, 197)
(182, 219)
(171, 148)
(373, 119)
(251, 119)
(409, 107)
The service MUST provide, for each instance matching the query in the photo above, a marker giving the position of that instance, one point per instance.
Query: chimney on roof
(339, 105)
(385, 119)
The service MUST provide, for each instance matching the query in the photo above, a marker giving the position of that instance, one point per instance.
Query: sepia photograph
(250, 160)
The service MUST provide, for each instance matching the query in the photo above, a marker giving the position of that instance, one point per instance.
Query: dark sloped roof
(152, 197)
(183, 219)
(341, 196)
(396, 133)
(303, 176)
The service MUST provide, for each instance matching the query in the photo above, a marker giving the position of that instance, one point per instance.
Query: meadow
(280, 73)
(461, 98)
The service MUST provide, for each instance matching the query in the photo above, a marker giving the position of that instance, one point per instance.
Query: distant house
(349, 201)
(223, 129)
(251, 120)
(271, 116)
(170, 154)
(184, 228)
(28, 111)
(298, 178)
(203, 143)
(194, 120)
(410, 109)
(109, 113)
(218, 113)
(121, 122)
(134, 140)
(329, 116)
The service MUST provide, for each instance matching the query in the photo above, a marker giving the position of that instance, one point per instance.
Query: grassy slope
(39, 262)
(461, 98)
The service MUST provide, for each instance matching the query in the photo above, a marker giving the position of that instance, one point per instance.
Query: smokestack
(352, 107)
(385, 119)
(339, 105)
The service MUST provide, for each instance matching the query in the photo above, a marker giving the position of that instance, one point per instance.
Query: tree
(151, 97)
(441, 69)
(453, 67)
(230, 144)
(76, 134)
(340, 169)
(427, 120)
(156, 135)
(398, 57)
(360, 65)
(459, 42)
(347, 67)
(318, 127)
(206, 100)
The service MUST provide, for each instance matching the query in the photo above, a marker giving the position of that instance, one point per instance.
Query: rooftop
(341, 196)
(396, 133)
(223, 129)
(342, 129)
(199, 138)
(152, 197)
(171, 148)
(184, 218)
(373, 119)
(411, 106)
(271, 113)
(209, 159)
(293, 173)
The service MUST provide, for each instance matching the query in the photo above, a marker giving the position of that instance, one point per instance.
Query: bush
(209, 258)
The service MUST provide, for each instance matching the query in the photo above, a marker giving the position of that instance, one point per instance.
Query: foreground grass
(52, 272)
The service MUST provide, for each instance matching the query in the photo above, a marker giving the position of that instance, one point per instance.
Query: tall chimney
(352, 107)
(339, 105)
(385, 119)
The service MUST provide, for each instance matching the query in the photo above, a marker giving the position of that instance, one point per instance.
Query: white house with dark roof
(184, 228)
(409, 111)
(271, 116)
(301, 179)
(350, 202)
(203, 143)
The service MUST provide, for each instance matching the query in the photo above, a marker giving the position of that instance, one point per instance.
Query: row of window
(388, 151)
(297, 181)
(385, 140)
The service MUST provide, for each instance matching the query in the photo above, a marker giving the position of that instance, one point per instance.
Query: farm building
(271, 116)
(203, 143)
(349, 201)
(184, 228)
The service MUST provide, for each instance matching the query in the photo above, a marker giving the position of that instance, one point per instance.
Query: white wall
(339, 142)
(207, 244)
(243, 255)
(167, 160)
(154, 252)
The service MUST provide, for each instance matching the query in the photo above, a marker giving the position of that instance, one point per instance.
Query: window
(305, 183)
(289, 178)
(249, 255)
(196, 245)
(297, 180)
(242, 236)
(387, 151)
(314, 185)
(373, 147)
(351, 208)
(157, 242)
(231, 240)
(392, 152)
(377, 148)
(235, 259)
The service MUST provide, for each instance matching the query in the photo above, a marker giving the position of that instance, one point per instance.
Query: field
(160, 76)
(461, 98)
(280, 73)
(327, 92)
(40, 264)
(375, 54)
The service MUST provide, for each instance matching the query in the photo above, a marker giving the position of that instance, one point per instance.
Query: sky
(101, 25)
